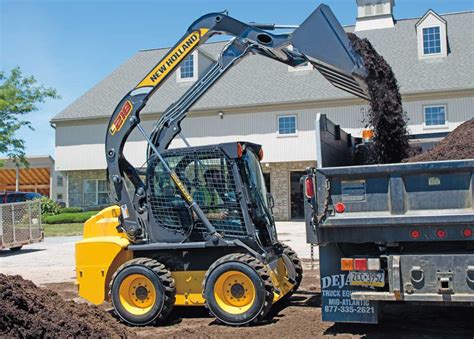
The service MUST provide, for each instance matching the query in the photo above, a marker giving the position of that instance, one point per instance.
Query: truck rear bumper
(389, 296)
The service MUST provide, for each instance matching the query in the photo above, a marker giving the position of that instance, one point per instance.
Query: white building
(269, 103)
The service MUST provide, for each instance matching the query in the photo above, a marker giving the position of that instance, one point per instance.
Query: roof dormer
(374, 14)
(431, 36)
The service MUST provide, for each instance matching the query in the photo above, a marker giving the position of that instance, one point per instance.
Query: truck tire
(142, 292)
(15, 249)
(238, 289)
(298, 268)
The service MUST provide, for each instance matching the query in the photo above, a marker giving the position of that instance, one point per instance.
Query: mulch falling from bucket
(386, 115)
(29, 311)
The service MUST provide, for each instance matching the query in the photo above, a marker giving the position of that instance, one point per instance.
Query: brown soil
(29, 311)
(301, 318)
(459, 144)
(386, 115)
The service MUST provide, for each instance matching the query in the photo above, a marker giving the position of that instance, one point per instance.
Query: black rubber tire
(162, 281)
(298, 266)
(15, 249)
(256, 271)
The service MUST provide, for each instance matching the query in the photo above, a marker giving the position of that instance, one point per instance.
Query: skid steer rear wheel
(142, 291)
(238, 289)
(297, 269)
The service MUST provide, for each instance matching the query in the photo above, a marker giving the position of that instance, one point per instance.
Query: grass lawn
(62, 230)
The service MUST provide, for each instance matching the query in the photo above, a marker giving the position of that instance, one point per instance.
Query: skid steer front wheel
(238, 289)
(142, 291)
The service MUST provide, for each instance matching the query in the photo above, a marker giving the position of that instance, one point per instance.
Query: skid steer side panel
(99, 254)
(280, 280)
(96, 261)
(189, 288)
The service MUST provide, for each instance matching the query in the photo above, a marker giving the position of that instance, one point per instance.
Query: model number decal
(121, 117)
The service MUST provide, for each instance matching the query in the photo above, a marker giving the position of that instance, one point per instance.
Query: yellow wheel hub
(137, 294)
(234, 292)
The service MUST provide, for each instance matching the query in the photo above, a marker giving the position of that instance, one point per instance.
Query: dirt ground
(301, 318)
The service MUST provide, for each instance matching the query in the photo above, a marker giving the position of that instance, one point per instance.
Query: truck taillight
(340, 207)
(441, 234)
(260, 154)
(360, 264)
(467, 232)
(347, 264)
(309, 188)
(415, 234)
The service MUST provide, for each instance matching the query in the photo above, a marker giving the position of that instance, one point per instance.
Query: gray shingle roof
(257, 80)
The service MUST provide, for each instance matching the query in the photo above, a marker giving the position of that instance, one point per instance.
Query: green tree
(19, 95)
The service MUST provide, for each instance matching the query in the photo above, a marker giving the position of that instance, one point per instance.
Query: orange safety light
(240, 150)
(367, 134)
(347, 264)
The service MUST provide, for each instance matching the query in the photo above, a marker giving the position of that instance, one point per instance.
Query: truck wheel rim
(137, 294)
(234, 292)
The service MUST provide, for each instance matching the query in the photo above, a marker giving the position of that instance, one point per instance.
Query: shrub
(49, 206)
(68, 218)
(70, 210)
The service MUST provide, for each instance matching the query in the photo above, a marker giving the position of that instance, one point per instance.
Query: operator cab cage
(319, 40)
(210, 174)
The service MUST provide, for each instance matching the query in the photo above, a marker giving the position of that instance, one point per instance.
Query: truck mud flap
(336, 302)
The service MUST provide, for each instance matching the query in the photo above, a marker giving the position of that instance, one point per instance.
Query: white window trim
(278, 126)
(59, 178)
(96, 202)
(195, 70)
(306, 67)
(434, 127)
(440, 42)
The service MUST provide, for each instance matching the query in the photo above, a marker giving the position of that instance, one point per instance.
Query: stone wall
(76, 185)
(280, 185)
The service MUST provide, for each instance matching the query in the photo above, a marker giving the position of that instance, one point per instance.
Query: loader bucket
(325, 44)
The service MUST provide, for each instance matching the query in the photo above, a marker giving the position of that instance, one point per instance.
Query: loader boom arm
(247, 39)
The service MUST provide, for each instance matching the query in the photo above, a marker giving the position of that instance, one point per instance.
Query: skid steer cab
(197, 227)
(238, 276)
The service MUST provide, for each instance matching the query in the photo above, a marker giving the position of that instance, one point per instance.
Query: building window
(435, 115)
(287, 124)
(59, 181)
(188, 69)
(59, 197)
(431, 40)
(96, 192)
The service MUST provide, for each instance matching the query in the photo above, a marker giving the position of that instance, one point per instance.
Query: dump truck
(197, 228)
(391, 233)
(20, 224)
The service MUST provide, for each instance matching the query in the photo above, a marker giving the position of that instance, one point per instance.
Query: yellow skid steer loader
(199, 229)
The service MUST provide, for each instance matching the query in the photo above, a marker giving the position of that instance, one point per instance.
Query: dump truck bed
(385, 202)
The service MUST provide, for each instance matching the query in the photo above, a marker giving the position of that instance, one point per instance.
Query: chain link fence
(20, 224)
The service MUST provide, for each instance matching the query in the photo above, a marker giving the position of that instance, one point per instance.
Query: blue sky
(73, 44)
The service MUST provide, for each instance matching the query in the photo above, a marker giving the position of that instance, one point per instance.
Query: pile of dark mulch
(459, 144)
(29, 311)
(386, 115)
